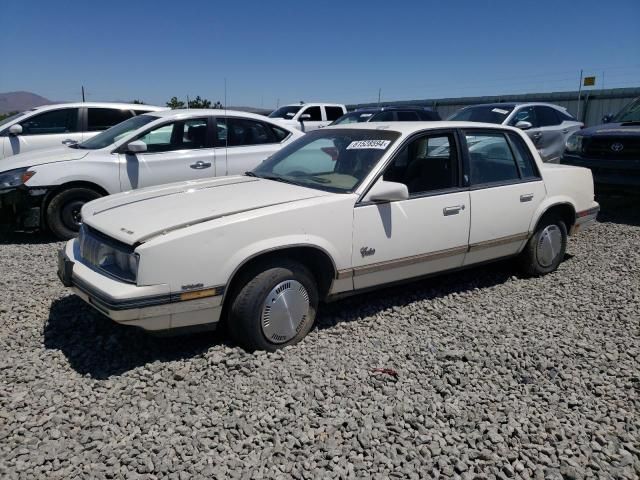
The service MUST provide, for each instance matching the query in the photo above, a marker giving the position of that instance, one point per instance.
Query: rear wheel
(63, 212)
(546, 248)
(274, 305)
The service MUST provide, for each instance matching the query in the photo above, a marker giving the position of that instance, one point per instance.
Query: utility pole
(82, 88)
(379, 95)
(187, 102)
(579, 93)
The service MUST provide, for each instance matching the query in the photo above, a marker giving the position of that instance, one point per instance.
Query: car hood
(40, 157)
(612, 129)
(138, 215)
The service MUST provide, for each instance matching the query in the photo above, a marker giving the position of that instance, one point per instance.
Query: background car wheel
(546, 248)
(63, 212)
(274, 305)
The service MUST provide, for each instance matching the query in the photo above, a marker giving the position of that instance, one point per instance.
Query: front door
(506, 189)
(176, 151)
(314, 121)
(427, 233)
(45, 130)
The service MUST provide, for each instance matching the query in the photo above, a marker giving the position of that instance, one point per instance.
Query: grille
(600, 147)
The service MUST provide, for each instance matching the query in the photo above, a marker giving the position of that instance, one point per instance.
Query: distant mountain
(19, 101)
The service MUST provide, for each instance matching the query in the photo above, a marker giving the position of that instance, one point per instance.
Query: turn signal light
(209, 292)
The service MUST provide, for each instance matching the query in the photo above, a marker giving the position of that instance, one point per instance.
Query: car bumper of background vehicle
(150, 307)
(608, 173)
(20, 206)
(585, 218)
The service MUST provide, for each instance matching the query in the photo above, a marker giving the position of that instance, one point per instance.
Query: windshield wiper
(251, 174)
(278, 178)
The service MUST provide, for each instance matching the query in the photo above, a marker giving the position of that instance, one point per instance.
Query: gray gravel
(490, 376)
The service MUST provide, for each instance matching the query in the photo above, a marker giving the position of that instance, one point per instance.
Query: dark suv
(611, 151)
(389, 114)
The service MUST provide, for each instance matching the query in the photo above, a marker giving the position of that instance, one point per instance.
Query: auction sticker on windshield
(363, 144)
(499, 110)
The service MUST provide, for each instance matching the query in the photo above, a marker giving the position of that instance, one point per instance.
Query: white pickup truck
(338, 211)
(308, 116)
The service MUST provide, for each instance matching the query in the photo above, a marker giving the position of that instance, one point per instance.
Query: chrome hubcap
(549, 245)
(284, 311)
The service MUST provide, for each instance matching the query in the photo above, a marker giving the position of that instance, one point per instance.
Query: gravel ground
(490, 376)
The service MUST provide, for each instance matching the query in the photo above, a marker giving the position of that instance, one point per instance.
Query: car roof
(199, 112)
(128, 106)
(391, 108)
(317, 104)
(516, 104)
(407, 128)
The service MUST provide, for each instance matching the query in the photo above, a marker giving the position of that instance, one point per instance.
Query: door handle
(527, 197)
(454, 210)
(69, 141)
(199, 165)
(537, 135)
(566, 130)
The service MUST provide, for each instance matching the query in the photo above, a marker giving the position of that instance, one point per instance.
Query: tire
(546, 248)
(265, 301)
(63, 211)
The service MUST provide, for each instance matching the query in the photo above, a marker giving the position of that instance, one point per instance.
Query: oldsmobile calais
(338, 211)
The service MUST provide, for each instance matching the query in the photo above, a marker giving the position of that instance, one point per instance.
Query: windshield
(115, 133)
(288, 111)
(353, 117)
(483, 113)
(10, 118)
(630, 113)
(332, 160)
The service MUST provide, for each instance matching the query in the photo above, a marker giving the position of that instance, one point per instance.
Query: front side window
(385, 116)
(483, 113)
(103, 118)
(547, 117)
(490, 158)
(525, 114)
(334, 160)
(184, 135)
(64, 120)
(333, 113)
(237, 132)
(353, 117)
(116, 133)
(630, 113)
(426, 164)
(314, 113)
(407, 116)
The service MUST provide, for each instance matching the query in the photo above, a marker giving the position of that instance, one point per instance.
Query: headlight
(108, 255)
(574, 143)
(15, 178)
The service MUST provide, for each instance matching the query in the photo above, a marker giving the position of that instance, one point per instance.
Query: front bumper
(21, 206)
(151, 307)
(608, 173)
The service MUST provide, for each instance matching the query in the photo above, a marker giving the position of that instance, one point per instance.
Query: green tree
(138, 102)
(6, 115)
(175, 103)
(199, 103)
(218, 105)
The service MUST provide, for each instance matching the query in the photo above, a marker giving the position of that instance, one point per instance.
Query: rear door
(179, 150)
(552, 133)
(243, 143)
(332, 113)
(45, 130)
(506, 189)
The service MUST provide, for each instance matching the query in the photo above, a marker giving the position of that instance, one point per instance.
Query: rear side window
(430, 115)
(237, 132)
(525, 161)
(564, 115)
(490, 158)
(407, 116)
(547, 117)
(333, 113)
(103, 118)
(279, 133)
(64, 120)
(316, 116)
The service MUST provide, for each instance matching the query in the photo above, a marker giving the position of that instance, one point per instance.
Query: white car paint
(294, 119)
(198, 234)
(113, 169)
(17, 144)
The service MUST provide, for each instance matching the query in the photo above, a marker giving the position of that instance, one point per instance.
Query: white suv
(308, 116)
(67, 123)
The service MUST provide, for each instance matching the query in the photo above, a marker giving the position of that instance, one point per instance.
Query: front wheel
(546, 248)
(63, 212)
(274, 305)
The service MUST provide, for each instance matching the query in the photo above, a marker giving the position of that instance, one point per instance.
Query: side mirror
(15, 129)
(384, 191)
(607, 118)
(522, 125)
(305, 116)
(137, 146)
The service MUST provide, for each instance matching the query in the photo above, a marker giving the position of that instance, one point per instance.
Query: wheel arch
(65, 186)
(563, 207)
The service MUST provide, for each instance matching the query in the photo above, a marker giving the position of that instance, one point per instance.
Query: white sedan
(47, 188)
(341, 210)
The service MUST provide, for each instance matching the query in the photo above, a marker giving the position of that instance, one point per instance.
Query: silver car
(549, 126)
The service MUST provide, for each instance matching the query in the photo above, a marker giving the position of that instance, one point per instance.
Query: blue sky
(286, 51)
